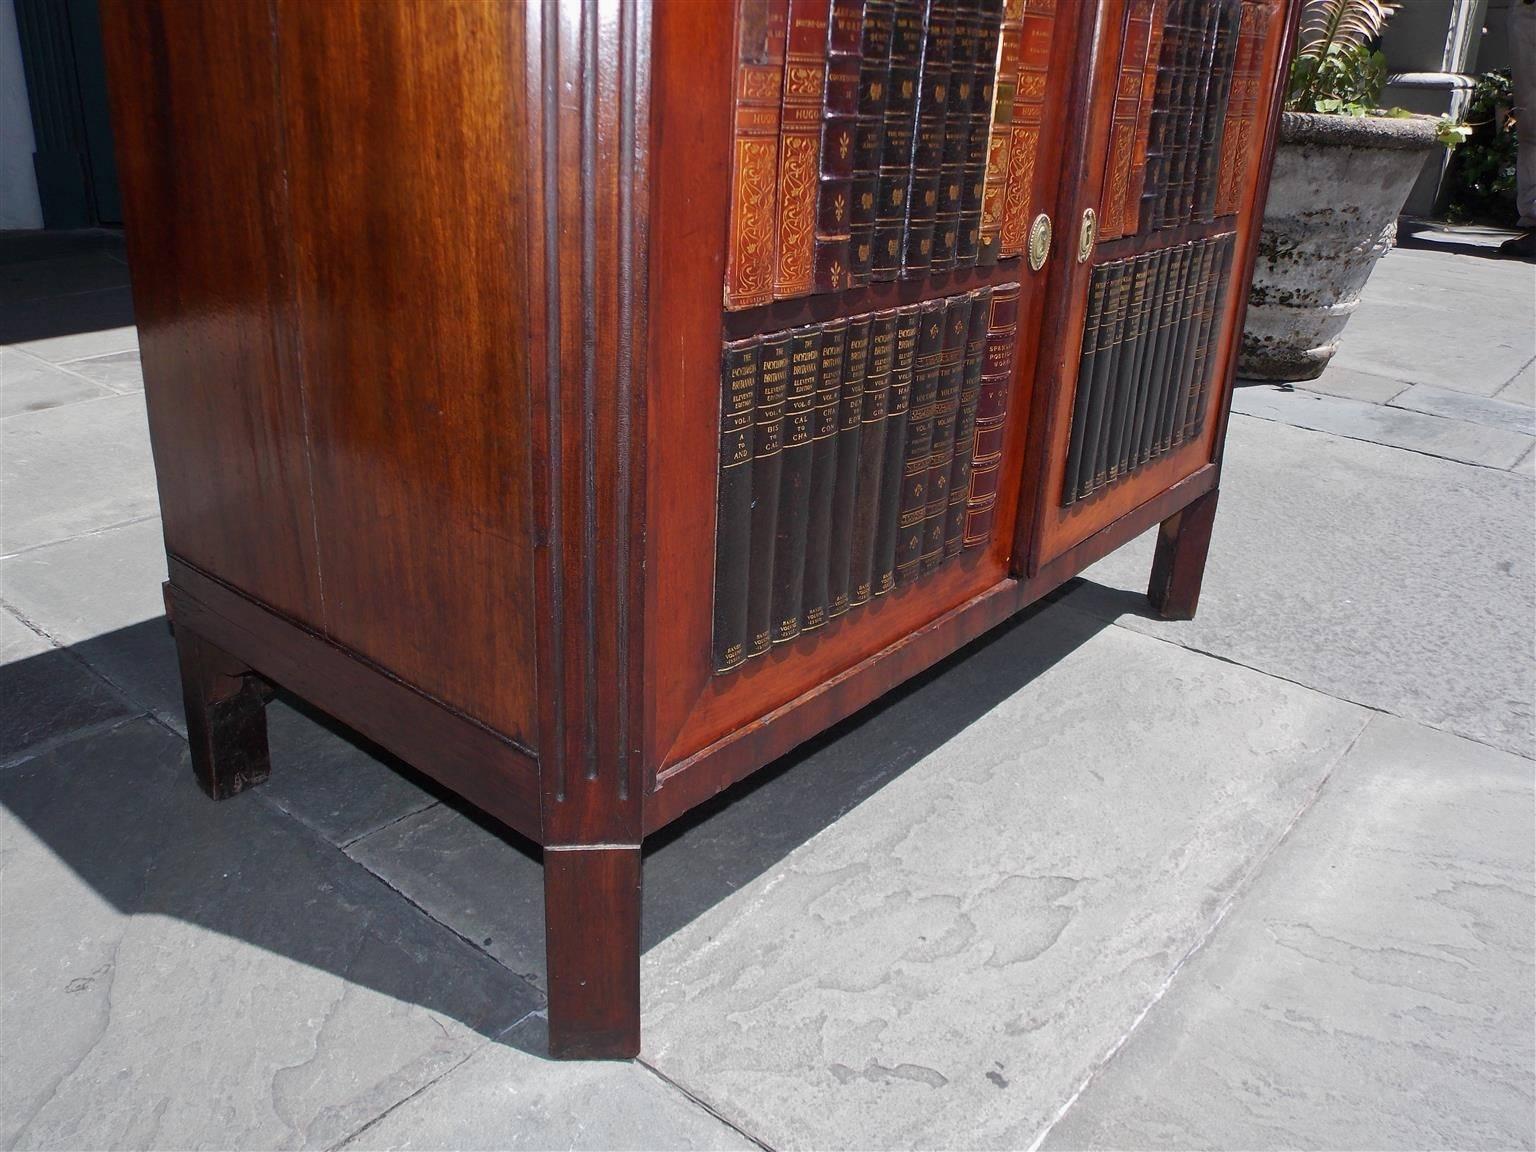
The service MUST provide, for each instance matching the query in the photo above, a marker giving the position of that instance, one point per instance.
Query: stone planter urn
(1338, 184)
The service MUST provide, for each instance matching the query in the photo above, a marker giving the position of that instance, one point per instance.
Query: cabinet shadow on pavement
(97, 775)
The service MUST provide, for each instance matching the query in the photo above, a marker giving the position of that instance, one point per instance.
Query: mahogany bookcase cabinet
(430, 305)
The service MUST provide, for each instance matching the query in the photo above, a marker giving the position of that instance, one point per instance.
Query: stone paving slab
(1457, 321)
(76, 469)
(1507, 414)
(28, 384)
(1393, 579)
(45, 693)
(503, 1098)
(1349, 383)
(64, 328)
(1454, 439)
(119, 371)
(944, 967)
(1373, 990)
(1522, 389)
(191, 974)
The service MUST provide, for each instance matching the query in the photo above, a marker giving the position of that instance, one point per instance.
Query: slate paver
(28, 384)
(1375, 988)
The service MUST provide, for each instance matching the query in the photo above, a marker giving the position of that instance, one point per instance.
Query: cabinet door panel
(1134, 392)
(689, 706)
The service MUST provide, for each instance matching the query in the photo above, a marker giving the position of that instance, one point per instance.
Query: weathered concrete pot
(1338, 185)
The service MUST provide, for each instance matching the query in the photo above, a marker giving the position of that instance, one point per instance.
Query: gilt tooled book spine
(1236, 137)
(1186, 32)
(914, 472)
(1122, 135)
(1156, 301)
(767, 465)
(1131, 224)
(978, 132)
(991, 415)
(1000, 134)
(1178, 332)
(1179, 196)
(805, 76)
(1159, 121)
(879, 336)
(869, 137)
(1110, 360)
(795, 482)
(1093, 322)
(850, 453)
(839, 120)
(1169, 299)
(1028, 121)
(1214, 116)
(946, 415)
(749, 260)
(733, 502)
(1205, 97)
(1195, 421)
(928, 148)
(957, 111)
(818, 529)
(897, 418)
(965, 422)
(909, 20)
(1202, 330)
(1124, 369)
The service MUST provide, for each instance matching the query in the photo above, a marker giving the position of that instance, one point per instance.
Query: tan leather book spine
(1028, 119)
(1000, 141)
(1131, 221)
(805, 81)
(991, 415)
(1122, 136)
(749, 258)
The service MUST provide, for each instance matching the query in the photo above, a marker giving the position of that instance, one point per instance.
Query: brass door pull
(1039, 242)
(1087, 235)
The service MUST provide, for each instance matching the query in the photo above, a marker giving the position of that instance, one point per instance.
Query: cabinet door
(694, 80)
(1161, 213)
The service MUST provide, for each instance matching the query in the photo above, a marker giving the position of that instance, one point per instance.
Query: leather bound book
(1160, 133)
(1131, 223)
(1169, 302)
(1124, 369)
(840, 106)
(1082, 399)
(1178, 205)
(805, 77)
(1214, 115)
(991, 415)
(978, 132)
(869, 137)
(914, 472)
(1142, 364)
(733, 502)
(892, 469)
(946, 414)
(1000, 136)
(1178, 343)
(909, 20)
(1101, 422)
(1205, 95)
(795, 482)
(965, 422)
(957, 113)
(1122, 136)
(1202, 328)
(1133, 367)
(1028, 120)
(1195, 421)
(850, 450)
(879, 340)
(1236, 136)
(818, 527)
(767, 465)
(928, 149)
(749, 258)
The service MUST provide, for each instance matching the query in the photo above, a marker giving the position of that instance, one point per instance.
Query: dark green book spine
(818, 528)
(928, 150)
(965, 422)
(900, 131)
(860, 528)
(957, 139)
(1124, 369)
(1082, 400)
(1101, 420)
(978, 132)
(795, 482)
(850, 454)
(767, 465)
(869, 137)
(914, 474)
(946, 414)
(739, 364)
(897, 419)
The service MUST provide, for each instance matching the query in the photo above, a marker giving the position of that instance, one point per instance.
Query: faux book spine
(1000, 138)
(893, 470)
(946, 415)
(991, 415)
(875, 349)
(824, 443)
(739, 366)
(850, 453)
(914, 482)
(795, 482)
(805, 75)
(1028, 121)
(978, 132)
(909, 21)
(767, 466)
(749, 261)
(928, 148)
(840, 106)
(869, 136)
(965, 423)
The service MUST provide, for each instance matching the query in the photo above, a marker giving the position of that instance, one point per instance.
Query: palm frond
(1345, 23)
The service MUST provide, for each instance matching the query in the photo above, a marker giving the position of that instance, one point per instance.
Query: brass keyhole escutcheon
(1039, 242)
(1087, 235)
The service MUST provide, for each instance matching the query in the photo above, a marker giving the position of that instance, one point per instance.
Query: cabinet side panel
(199, 156)
(405, 137)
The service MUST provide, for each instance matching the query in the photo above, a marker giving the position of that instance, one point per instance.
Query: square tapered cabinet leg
(226, 706)
(592, 942)
(1182, 543)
